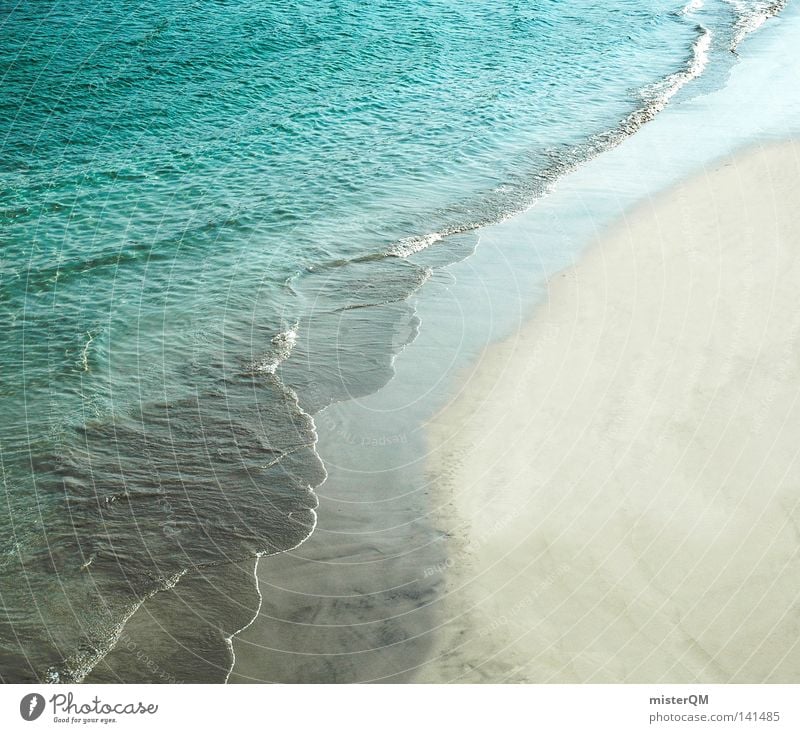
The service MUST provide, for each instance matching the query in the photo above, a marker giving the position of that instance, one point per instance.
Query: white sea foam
(692, 7)
(751, 16)
(282, 343)
(259, 555)
(84, 362)
(658, 95)
(410, 245)
(78, 665)
(694, 68)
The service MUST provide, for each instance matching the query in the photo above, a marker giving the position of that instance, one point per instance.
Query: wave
(222, 476)
(750, 16)
(504, 205)
(76, 666)
(658, 95)
(282, 345)
(692, 6)
(411, 245)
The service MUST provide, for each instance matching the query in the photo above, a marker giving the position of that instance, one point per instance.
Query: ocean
(214, 216)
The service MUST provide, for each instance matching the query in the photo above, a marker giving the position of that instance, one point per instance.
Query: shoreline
(384, 510)
(606, 460)
(465, 309)
(350, 604)
(468, 305)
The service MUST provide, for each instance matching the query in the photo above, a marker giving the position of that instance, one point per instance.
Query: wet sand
(356, 602)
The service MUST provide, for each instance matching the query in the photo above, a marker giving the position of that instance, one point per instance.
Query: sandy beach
(624, 469)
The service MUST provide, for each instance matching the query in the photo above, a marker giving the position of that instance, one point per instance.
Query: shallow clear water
(206, 212)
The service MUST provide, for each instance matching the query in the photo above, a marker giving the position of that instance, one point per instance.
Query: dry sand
(624, 471)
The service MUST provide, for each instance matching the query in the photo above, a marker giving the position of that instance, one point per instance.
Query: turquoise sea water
(212, 217)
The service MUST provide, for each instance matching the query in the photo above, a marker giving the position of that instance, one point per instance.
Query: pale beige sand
(624, 472)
